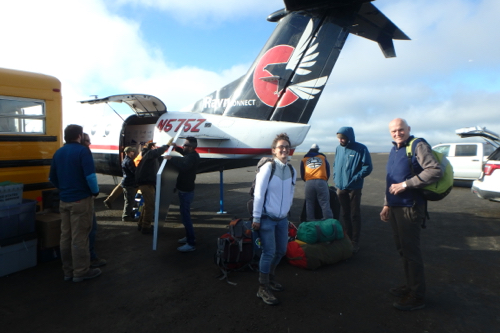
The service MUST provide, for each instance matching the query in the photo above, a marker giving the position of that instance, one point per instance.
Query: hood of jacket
(348, 132)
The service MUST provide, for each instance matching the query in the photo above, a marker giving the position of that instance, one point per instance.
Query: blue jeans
(185, 200)
(93, 231)
(274, 239)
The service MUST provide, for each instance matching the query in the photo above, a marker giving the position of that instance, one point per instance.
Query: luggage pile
(319, 243)
(237, 249)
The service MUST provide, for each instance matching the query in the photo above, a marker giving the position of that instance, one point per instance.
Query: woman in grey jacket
(272, 201)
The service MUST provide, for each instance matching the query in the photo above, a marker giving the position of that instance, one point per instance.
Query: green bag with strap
(320, 231)
(440, 189)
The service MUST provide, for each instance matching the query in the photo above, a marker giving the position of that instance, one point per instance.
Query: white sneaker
(182, 240)
(186, 248)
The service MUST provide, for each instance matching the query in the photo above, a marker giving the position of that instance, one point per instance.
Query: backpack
(440, 189)
(261, 162)
(235, 249)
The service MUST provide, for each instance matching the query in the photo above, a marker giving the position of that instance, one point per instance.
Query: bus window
(30, 132)
(21, 116)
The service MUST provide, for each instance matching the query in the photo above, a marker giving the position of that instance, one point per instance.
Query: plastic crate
(17, 220)
(16, 257)
(10, 193)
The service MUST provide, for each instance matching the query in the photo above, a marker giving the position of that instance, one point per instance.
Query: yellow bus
(30, 131)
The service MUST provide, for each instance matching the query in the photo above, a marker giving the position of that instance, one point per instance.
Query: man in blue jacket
(404, 208)
(351, 165)
(73, 173)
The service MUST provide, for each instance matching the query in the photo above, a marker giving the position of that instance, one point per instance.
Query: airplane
(236, 124)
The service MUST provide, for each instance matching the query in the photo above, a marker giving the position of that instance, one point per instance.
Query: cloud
(446, 77)
(205, 13)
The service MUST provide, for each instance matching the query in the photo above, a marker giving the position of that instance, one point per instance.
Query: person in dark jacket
(404, 208)
(128, 183)
(351, 165)
(145, 176)
(315, 171)
(187, 166)
(73, 173)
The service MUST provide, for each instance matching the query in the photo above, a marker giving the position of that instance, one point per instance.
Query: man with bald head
(405, 208)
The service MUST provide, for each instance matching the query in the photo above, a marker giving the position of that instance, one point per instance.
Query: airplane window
(443, 149)
(22, 116)
(466, 150)
(107, 130)
(93, 130)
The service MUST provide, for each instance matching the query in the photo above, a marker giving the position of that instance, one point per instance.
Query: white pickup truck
(467, 158)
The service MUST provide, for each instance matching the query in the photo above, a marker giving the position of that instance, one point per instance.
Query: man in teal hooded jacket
(351, 165)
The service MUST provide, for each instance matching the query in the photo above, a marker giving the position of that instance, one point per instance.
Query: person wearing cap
(128, 184)
(315, 171)
(351, 165)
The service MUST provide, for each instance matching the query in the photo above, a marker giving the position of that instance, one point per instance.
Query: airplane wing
(370, 23)
(142, 105)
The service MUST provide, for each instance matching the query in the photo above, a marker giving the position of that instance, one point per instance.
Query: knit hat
(315, 146)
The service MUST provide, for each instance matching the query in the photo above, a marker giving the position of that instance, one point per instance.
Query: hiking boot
(182, 240)
(98, 262)
(91, 273)
(68, 278)
(400, 291)
(139, 227)
(266, 295)
(409, 303)
(186, 248)
(147, 231)
(127, 219)
(107, 204)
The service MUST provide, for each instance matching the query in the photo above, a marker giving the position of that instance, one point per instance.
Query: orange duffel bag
(312, 256)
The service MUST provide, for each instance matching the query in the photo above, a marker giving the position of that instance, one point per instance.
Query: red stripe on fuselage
(208, 150)
(105, 147)
(236, 151)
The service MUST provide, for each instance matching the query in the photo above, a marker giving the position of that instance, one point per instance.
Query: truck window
(466, 150)
(21, 116)
(443, 150)
(488, 149)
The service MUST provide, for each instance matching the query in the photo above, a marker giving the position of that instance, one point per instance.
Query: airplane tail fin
(288, 76)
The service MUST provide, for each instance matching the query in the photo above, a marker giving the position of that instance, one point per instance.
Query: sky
(447, 77)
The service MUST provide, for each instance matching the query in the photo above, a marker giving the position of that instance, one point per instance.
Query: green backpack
(440, 189)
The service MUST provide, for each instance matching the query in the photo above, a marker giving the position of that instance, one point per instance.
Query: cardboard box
(48, 228)
(16, 257)
(17, 220)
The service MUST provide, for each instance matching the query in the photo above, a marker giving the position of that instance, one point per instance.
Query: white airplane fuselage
(223, 142)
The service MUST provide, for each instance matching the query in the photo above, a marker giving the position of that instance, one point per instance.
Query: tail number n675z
(190, 125)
